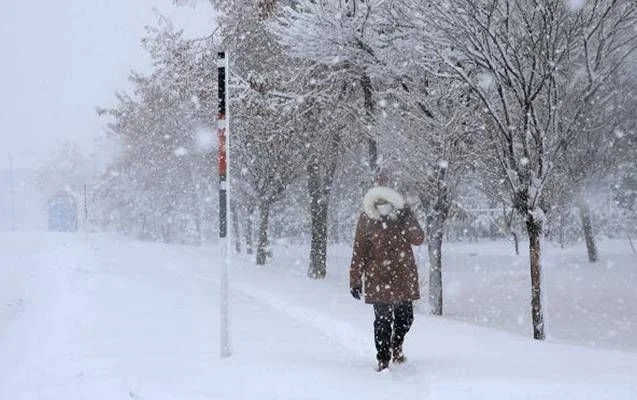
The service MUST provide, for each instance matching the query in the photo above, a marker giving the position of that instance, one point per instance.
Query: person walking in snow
(383, 268)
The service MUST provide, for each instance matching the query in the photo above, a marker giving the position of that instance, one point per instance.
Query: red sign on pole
(221, 140)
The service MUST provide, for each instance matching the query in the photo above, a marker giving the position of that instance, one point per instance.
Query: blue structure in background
(63, 212)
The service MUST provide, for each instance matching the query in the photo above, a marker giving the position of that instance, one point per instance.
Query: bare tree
(342, 36)
(157, 186)
(525, 60)
(271, 154)
(265, 140)
(429, 143)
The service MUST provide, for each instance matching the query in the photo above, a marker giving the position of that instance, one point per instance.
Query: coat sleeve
(360, 256)
(415, 234)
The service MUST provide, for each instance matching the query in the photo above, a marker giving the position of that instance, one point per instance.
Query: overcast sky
(61, 59)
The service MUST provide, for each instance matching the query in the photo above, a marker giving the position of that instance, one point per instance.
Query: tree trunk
(318, 216)
(320, 188)
(144, 228)
(236, 236)
(434, 246)
(249, 230)
(167, 233)
(435, 228)
(318, 250)
(509, 226)
(632, 245)
(196, 204)
(263, 244)
(435, 233)
(562, 224)
(534, 229)
(516, 243)
(334, 229)
(373, 156)
(368, 98)
(587, 227)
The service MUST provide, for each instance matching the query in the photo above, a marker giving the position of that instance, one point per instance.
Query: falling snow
(452, 115)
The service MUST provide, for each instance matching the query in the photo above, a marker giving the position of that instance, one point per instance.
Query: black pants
(390, 327)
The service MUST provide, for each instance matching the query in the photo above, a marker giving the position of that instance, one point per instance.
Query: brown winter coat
(382, 256)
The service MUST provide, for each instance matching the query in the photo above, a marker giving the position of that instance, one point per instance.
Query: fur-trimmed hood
(381, 193)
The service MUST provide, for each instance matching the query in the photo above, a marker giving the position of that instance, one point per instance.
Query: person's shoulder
(363, 217)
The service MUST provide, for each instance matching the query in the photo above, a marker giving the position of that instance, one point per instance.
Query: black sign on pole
(221, 136)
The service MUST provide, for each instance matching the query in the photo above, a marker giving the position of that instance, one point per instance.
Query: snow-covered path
(103, 317)
(98, 323)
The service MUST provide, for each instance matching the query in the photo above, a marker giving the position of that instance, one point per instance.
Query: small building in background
(63, 212)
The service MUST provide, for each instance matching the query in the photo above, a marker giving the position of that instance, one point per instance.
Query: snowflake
(485, 81)
(180, 152)
(575, 4)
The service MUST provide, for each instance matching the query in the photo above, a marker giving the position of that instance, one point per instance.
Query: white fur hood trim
(381, 192)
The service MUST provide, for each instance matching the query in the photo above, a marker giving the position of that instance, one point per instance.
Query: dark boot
(382, 365)
(398, 357)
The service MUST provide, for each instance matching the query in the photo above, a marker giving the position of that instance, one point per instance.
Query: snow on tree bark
(319, 201)
(587, 228)
(534, 230)
(263, 245)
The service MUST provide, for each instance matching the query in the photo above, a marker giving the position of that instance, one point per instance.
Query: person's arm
(360, 255)
(414, 233)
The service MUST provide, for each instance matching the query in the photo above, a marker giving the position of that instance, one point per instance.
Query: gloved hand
(356, 292)
(403, 213)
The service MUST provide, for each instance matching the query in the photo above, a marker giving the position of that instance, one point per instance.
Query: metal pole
(222, 140)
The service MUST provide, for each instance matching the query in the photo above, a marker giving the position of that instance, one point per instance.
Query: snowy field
(103, 317)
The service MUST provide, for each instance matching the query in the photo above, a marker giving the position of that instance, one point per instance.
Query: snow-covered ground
(102, 317)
